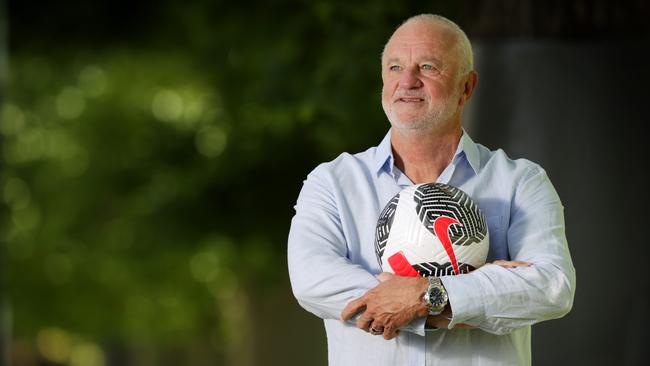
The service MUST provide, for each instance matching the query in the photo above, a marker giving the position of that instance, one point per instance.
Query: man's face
(420, 74)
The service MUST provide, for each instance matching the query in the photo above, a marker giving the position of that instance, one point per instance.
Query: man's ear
(469, 85)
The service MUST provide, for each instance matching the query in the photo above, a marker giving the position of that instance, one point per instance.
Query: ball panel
(384, 223)
(437, 199)
(438, 270)
(408, 235)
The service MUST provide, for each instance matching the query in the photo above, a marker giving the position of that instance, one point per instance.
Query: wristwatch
(435, 296)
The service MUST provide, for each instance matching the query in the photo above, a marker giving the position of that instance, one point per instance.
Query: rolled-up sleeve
(499, 300)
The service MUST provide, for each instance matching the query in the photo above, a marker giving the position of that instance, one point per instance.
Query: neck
(422, 156)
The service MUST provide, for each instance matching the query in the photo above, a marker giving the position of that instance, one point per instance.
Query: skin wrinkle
(466, 55)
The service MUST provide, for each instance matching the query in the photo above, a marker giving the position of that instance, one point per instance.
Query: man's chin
(413, 125)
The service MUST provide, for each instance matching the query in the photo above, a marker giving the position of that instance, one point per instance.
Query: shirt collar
(466, 147)
(470, 150)
(384, 155)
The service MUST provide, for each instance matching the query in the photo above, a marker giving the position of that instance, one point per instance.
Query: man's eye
(394, 68)
(427, 67)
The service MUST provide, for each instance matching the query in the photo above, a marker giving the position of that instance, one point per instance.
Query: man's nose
(410, 79)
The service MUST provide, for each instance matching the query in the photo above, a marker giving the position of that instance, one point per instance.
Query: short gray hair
(464, 45)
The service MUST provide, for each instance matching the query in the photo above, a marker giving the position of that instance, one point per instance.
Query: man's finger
(511, 264)
(352, 308)
(390, 332)
(364, 321)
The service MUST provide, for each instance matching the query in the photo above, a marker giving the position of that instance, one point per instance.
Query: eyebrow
(432, 60)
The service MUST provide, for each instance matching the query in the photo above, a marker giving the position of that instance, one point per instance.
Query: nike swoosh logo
(441, 227)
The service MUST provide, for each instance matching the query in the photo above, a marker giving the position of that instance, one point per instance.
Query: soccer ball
(431, 229)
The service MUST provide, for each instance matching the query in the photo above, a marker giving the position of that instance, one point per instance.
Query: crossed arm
(396, 301)
(329, 281)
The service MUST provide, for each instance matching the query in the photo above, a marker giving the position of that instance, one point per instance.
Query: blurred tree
(150, 165)
(5, 309)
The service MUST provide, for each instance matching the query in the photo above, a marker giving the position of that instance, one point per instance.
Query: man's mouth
(410, 100)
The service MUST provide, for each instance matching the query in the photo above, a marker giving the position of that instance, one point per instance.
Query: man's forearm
(499, 300)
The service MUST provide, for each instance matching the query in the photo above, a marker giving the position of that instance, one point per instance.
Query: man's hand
(395, 302)
(510, 264)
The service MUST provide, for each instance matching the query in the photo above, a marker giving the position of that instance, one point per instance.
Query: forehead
(420, 39)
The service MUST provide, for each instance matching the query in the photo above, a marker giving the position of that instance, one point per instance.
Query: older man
(379, 319)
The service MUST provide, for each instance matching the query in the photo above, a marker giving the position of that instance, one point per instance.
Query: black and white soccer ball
(431, 229)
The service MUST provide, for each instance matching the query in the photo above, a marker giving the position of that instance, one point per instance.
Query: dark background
(151, 153)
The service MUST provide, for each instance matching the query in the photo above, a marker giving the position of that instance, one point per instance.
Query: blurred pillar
(579, 108)
(564, 83)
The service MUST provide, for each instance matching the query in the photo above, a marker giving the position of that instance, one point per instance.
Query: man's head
(428, 75)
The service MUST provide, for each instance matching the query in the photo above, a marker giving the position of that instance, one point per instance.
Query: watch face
(437, 300)
(435, 297)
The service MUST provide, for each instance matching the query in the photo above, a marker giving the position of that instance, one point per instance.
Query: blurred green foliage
(149, 168)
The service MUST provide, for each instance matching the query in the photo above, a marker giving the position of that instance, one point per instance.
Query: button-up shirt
(332, 260)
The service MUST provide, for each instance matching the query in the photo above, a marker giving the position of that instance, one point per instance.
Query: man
(375, 318)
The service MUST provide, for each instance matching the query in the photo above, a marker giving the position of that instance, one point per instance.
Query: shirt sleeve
(323, 278)
(499, 300)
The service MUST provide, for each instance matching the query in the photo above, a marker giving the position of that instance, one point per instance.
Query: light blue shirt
(332, 260)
